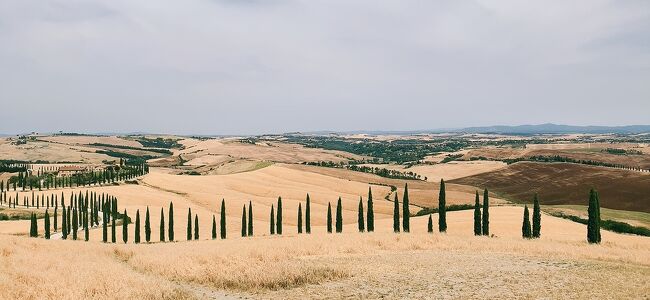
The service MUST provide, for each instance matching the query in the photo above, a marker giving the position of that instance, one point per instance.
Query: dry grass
(36, 150)
(381, 264)
(266, 151)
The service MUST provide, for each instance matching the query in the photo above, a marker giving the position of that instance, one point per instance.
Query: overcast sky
(262, 66)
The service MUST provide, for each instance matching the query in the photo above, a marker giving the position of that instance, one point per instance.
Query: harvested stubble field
(566, 183)
(370, 265)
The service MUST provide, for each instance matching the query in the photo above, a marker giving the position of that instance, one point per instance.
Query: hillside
(566, 183)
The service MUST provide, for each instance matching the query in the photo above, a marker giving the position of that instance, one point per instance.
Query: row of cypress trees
(528, 231)
(482, 219)
(87, 178)
(73, 218)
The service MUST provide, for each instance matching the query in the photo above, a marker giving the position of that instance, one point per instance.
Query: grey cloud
(225, 66)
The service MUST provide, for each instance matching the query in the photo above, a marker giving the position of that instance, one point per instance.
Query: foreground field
(369, 265)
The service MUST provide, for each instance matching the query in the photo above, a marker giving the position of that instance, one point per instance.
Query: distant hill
(555, 128)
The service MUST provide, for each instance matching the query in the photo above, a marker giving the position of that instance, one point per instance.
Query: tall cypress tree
(171, 222)
(86, 226)
(32, 220)
(214, 227)
(299, 218)
(525, 227)
(147, 226)
(243, 221)
(329, 217)
(272, 220)
(136, 238)
(250, 218)
(104, 224)
(162, 224)
(189, 224)
(406, 214)
(278, 223)
(485, 228)
(196, 226)
(64, 224)
(360, 217)
(593, 223)
(477, 216)
(442, 208)
(125, 227)
(47, 225)
(396, 215)
(598, 217)
(222, 219)
(537, 218)
(339, 216)
(75, 224)
(308, 216)
(371, 212)
(430, 225)
(113, 226)
(56, 220)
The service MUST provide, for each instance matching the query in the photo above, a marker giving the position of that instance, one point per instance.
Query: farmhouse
(71, 170)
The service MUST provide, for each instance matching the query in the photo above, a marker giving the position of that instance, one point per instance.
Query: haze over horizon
(254, 66)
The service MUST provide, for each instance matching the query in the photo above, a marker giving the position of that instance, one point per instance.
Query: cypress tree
(125, 227)
(406, 214)
(64, 227)
(222, 219)
(299, 218)
(147, 226)
(430, 225)
(47, 225)
(442, 208)
(189, 224)
(272, 218)
(104, 225)
(360, 220)
(371, 212)
(250, 218)
(196, 226)
(162, 224)
(75, 224)
(339, 216)
(593, 223)
(308, 216)
(396, 215)
(113, 226)
(477, 216)
(537, 218)
(329, 217)
(243, 221)
(32, 226)
(56, 221)
(86, 227)
(598, 217)
(525, 227)
(486, 214)
(278, 223)
(171, 222)
(214, 227)
(136, 238)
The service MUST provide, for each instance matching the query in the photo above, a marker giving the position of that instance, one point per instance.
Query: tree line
(83, 212)
(45, 180)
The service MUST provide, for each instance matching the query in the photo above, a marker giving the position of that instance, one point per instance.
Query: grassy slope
(382, 264)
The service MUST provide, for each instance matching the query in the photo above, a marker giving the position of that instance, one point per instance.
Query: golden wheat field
(381, 264)
(368, 265)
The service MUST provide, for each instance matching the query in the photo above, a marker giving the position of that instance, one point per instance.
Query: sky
(271, 66)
